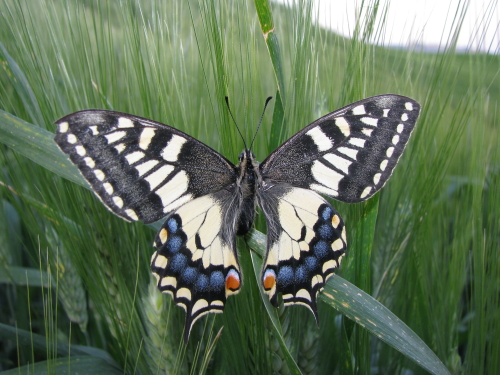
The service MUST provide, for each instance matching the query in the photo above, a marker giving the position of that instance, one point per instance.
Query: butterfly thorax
(247, 181)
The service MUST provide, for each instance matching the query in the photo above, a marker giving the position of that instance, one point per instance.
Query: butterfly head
(247, 159)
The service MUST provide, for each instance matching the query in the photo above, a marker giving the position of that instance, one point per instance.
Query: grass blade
(381, 322)
(67, 365)
(38, 145)
(267, 26)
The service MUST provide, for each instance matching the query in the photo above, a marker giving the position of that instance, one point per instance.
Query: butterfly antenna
(260, 122)
(237, 127)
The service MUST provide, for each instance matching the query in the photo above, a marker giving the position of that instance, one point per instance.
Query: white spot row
(326, 176)
(101, 176)
(372, 121)
(72, 139)
(115, 136)
(383, 165)
(80, 150)
(63, 127)
(359, 110)
(322, 141)
(366, 191)
(90, 162)
(173, 148)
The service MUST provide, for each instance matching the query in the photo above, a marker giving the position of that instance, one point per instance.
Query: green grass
(426, 247)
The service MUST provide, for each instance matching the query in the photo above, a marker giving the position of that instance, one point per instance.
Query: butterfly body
(144, 170)
(249, 177)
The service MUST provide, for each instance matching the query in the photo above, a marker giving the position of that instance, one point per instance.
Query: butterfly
(144, 170)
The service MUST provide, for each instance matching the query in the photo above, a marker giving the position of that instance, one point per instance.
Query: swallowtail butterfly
(144, 170)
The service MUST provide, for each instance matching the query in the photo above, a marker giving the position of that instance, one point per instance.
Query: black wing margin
(348, 154)
(140, 169)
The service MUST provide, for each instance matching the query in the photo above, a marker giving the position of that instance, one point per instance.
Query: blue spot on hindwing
(321, 249)
(325, 232)
(178, 262)
(326, 213)
(189, 275)
(202, 283)
(301, 274)
(172, 225)
(173, 244)
(311, 263)
(217, 281)
(285, 276)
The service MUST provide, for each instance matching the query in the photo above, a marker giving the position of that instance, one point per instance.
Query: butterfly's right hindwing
(196, 260)
(140, 169)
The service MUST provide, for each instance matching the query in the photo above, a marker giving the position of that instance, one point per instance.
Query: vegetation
(77, 295)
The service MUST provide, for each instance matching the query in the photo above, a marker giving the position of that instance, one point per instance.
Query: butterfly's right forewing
(140, 169)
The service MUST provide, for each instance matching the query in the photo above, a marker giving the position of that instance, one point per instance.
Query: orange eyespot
(233, 280)
(269, 279)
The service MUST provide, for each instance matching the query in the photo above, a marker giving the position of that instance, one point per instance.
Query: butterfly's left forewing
(348, 154)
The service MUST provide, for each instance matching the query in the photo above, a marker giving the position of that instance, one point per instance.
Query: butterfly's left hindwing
(306, 241)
